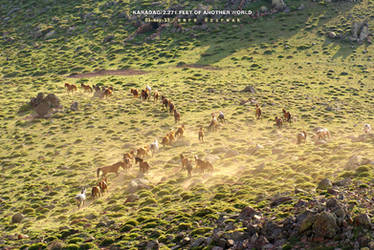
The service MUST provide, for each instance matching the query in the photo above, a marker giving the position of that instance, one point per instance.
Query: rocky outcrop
(45, 106)
(310, 223)
(360, 31)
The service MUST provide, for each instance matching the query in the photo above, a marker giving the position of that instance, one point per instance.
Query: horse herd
(138, 156)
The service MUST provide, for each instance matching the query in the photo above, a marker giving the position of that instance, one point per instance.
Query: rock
(34, 102)
(42, 109)
(362, 220)
(247, 213)
(307, 223)
(325, 225)
(74, 106)
(53, 101)
(152, 245)
(339, 212)
(249, 89)
(331, 35)
(324, 184)
(332, 191)
(197, 242)
(344, 182)
(332, 203)
(363, 242)
(17, 218)
(278, 5)
(272, 231)
(261, 242)
(186, 240)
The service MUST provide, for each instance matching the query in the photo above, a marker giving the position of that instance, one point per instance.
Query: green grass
(286, 59)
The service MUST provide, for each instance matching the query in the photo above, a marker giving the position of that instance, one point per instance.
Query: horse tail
(98, 172)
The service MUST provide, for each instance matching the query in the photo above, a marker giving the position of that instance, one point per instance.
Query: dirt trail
(118, 72)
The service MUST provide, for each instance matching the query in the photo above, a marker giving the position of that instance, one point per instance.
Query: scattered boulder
(325, 225)
(278, 5)
(362, 220)
(42, 109)
(53, 101)
(197, 242)
(307, 223)
(360, 31)
(17, 218)
(74, 106)
(247, 212)
(34, 102)
(324, 184)
(250, 89)
(45, 105)
(152, 245)
(331, 35)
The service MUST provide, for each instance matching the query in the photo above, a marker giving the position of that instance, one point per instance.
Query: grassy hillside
(286, 57)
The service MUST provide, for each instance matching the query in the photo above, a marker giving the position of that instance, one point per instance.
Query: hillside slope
(287, 59)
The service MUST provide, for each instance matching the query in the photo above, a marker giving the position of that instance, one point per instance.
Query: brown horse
(201, 134)
(278, 122)
(203, 165)
(114, 168)
(70, 87)
(95, 192)
(86, 88)
(155, 96)
(286, 115)
(134, 92)
(143, 166)
(258, 111)
(108, 92)
(177, 116)
(103, 184)
(180, 131)
(186, 164)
